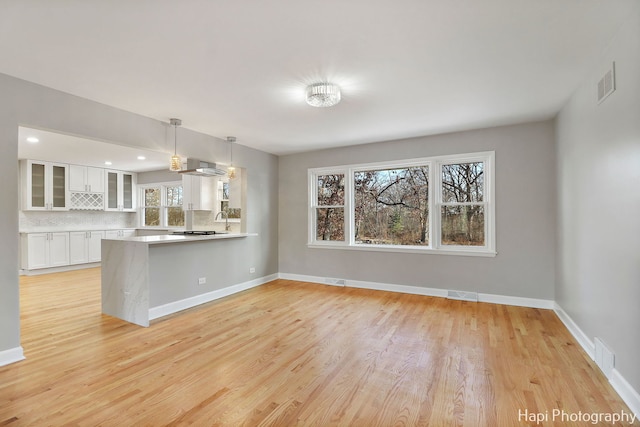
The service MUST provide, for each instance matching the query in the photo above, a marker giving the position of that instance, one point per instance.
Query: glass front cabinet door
(120, 191)
(45, 185)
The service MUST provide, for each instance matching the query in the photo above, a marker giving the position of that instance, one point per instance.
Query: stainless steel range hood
(202, 168)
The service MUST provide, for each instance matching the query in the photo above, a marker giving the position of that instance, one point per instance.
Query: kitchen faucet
(226, 218)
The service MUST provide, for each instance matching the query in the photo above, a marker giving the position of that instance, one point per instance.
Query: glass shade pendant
(175, 164)
(231, 171)
(323, 95)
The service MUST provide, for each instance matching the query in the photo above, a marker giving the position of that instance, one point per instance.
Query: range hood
(201, 168)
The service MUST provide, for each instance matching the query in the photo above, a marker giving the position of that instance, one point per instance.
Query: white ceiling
(56, 147)
(407, 68)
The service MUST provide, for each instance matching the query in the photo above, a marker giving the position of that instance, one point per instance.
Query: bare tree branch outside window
(330, 207)
(392, 206)
(462, 214)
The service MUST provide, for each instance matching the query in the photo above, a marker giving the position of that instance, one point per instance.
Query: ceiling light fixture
(176, 163)
(231, 171)
(33, 139)
(323, 94)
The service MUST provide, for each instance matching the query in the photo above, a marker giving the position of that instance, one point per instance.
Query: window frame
(314, 206)
(163, 204)
(435, 204)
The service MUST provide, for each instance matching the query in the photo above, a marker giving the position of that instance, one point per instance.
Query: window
(392, 206)
(233, 214)
(439, 204)
(175, 214)
(151, 207)
(462, 208)
(162, 205)
(329, 207)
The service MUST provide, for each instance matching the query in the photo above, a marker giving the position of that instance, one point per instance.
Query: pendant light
(231, 171)
(176, 163)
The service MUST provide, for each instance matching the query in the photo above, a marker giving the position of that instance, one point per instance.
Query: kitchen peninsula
(147, 277)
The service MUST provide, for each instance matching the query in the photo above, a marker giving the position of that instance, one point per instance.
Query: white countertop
(178, 238)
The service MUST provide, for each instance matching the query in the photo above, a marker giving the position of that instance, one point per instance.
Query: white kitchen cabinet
(44, 185)
(120, 191)
(86, 179)
(42, 250)
(199, 193)
(85, 246)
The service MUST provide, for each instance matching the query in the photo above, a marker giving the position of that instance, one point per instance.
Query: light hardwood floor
(291, 353)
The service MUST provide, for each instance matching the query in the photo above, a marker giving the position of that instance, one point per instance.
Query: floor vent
(463, 295)
(334, 282)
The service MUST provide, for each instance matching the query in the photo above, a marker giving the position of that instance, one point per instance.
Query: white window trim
(163, 204)
(435, 205)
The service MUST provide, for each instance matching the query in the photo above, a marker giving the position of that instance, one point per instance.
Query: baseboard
(11, 356)
(404, 289)
(578, 334)
(419, 290)
(517, 301)
(61, 269)
(626, 392)
(174, 307)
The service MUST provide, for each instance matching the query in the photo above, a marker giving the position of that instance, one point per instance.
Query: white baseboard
(577, 333)
(174, 307)
(419, 290)
(627, 393)
(517, 301)
(11, 356)
(49, 270)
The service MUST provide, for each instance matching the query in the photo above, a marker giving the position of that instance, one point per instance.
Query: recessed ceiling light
(33, 139)
(141, 157)
(108, 163)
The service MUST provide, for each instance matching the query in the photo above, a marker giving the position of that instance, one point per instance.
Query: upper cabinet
(44, 185)
(86, 179)
(120, 191)
(198, 193)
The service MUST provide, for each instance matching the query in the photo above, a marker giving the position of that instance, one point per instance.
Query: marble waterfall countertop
(146, 277)
(179, 238)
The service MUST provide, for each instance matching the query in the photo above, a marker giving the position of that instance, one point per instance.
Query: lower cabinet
(84, 246)
(59, 249)
(43, 250)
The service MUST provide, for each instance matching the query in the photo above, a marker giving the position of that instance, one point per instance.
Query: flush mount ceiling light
(231, 171)
(176, 163)
(323, 95)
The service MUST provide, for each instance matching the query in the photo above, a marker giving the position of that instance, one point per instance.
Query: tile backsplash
(50, 221)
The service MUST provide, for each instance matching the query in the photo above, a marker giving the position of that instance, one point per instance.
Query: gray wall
(598, 146)
(525, 216)
(27, 104)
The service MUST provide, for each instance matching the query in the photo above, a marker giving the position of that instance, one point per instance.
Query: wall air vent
(604, 357)
(607, 83)
(335, 282)
(463, 295)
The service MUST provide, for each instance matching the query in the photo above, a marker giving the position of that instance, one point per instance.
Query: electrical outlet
(252, 270)
(202, 281)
